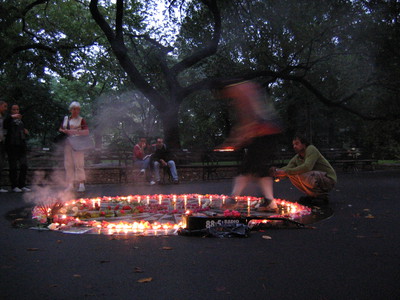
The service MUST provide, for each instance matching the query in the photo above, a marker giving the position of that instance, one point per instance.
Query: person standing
(3, 109)
(16, 149)
(257, 132)
(161, 157)
(309, 171)
(74, 161)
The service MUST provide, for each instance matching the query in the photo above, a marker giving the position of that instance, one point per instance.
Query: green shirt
(313, 161)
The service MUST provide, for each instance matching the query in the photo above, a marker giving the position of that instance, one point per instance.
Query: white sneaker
(152, 182)
(142, 172)
(81, 188)
(17, 190)
(26, 189)
(3, 190)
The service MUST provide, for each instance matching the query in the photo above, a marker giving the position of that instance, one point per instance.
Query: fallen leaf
(32, 249)
(104, 261)
(77, 276)
(59, 241)
(166, 248)
(138, 270)
(144, 280)
(267, 237)
(369, 216)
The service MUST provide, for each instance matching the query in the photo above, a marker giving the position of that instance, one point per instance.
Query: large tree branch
(340, 103)
(99, 19)
(39, 46)
(32, 5)
(211, 46)
(213, 83)
(32, 46)
(119, 20)
(160, 51)
(121, 52)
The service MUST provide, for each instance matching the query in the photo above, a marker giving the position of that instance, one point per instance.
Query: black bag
(61, 137)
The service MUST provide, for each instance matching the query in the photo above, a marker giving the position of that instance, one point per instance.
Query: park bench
(116, 166)
(353, 159)
(100, 166)
(207, 164)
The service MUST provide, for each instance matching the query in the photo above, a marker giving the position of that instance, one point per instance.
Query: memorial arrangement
(157, 214)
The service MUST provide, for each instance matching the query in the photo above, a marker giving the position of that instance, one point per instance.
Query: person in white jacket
(74, 161)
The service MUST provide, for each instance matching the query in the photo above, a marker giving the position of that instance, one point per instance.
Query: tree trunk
(170, 120)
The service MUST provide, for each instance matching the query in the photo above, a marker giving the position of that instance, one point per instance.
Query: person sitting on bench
(141, 159)
(161, 157)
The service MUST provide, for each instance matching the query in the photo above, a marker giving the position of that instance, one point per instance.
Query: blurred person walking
(256, 131)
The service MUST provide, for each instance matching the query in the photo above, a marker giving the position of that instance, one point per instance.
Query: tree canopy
(331, 67)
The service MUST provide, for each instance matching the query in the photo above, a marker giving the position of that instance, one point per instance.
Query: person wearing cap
(74, 161)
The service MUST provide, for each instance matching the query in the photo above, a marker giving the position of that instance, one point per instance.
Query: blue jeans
(172, 168)
(144, 164)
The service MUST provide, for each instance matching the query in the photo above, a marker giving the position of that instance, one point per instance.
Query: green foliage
(204, 122)
(332, 67)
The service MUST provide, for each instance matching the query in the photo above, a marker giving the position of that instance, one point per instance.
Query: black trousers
(17, 155)
(259, 156)
(2, 160)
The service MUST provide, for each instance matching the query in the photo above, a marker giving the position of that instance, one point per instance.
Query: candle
(138, 199)
(248, 206)
(223, 199)
(199, 197)
(174, 201)
(148, 200)
(159, 199)
(184, 201)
